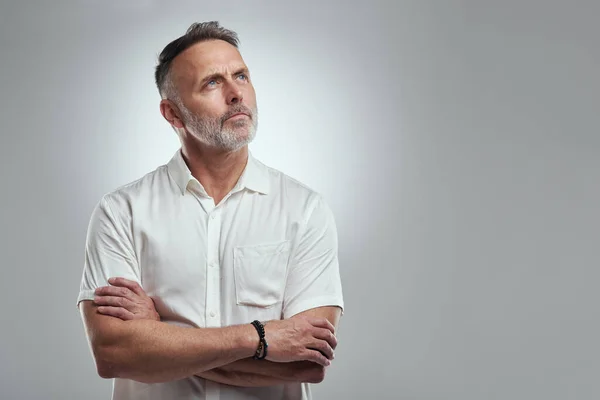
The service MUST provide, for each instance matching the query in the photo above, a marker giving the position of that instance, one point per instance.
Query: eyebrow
(218, 75)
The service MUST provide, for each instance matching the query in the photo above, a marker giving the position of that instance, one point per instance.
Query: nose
(235, 95)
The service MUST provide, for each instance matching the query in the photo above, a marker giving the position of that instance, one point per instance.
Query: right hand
(300, 339)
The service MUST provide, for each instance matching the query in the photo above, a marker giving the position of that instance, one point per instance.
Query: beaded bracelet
(262, 345)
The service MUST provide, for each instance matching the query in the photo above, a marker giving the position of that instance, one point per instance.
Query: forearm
(242, 379)
(257, 373)
(151, 351)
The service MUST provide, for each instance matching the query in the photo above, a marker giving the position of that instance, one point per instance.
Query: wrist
(247, 340)
(261, 350)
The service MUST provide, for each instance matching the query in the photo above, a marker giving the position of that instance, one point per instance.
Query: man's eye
(211, 82)
(243, 76)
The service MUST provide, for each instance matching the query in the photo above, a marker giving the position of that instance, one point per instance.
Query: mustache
(236, 110)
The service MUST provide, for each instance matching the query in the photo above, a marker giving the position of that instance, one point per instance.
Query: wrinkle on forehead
(203, 59)
(225, 70)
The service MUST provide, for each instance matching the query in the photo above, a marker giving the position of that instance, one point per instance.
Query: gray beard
(212, 133)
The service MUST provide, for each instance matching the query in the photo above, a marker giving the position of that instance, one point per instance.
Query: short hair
(196, 33)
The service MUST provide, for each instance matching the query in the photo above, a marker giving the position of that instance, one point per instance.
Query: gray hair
(196, 33)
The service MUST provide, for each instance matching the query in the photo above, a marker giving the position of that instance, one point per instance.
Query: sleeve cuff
(307, 304)
(87, 294)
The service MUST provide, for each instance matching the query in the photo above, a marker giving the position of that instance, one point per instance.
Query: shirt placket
(213, 286)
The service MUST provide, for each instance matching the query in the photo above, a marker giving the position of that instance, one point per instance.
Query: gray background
(456, 141)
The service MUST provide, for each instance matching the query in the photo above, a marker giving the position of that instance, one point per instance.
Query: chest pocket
(260, 272)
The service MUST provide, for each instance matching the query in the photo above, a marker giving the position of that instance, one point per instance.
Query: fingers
(326, 335)
(113, 301)
(315, 356)
(322, 323)
(115, 291)
(323, 347)
(118, 312)
(126, 283)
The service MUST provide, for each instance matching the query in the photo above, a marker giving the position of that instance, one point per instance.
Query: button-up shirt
(267, 251)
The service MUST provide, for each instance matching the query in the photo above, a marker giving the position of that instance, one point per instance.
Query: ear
(171, 113)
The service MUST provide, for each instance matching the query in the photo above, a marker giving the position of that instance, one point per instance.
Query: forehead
(206, 58)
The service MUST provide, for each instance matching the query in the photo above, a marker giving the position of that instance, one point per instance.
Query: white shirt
(267, 251)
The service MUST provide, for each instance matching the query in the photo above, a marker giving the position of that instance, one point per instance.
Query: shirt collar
(255, 176)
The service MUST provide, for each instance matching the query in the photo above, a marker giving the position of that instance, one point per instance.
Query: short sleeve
(108, 249)
(313, 276)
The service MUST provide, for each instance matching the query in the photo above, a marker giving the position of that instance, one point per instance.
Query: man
(213, 276)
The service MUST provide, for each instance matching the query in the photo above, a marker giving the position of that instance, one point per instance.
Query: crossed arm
(252, 373)
(129, 341)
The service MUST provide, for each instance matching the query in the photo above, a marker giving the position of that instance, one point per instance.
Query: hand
(126, 300)
(300, 339)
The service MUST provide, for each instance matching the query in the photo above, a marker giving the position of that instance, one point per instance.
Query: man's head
(206, 89)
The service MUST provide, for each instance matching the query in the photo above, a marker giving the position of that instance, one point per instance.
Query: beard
(212, 132)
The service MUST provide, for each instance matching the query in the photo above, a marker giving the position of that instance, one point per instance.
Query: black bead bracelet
(262, 345)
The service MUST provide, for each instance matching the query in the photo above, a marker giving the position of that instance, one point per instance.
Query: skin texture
(129, 301)
(151, 351)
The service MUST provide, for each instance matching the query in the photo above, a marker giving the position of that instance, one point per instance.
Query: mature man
(213, 276)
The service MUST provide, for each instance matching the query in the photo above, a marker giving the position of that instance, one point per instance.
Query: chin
(237, 144)
(242, 135)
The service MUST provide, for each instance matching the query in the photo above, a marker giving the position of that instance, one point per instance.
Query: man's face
(217, 99)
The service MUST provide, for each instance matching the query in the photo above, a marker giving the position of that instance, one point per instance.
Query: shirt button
(212, 314)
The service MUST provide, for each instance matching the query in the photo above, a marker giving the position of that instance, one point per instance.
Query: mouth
(239, 116)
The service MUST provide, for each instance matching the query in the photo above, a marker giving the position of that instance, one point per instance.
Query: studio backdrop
(457, 143)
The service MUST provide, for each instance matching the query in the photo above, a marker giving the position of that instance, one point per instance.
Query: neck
(218, 171)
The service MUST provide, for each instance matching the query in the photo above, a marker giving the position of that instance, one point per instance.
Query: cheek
(206, 111)
(250, 97)
(207, 105)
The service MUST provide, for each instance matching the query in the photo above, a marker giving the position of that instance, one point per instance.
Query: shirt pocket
(260, 272)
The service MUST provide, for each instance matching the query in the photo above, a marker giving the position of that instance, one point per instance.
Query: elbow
(317, 375)
(106, 365)
(105, 370)
(319, 378)
(111, 361)
(110, 365)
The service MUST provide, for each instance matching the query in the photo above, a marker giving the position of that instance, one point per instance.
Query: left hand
(126, 300)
